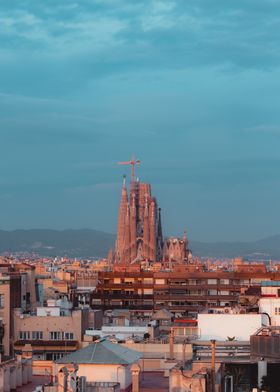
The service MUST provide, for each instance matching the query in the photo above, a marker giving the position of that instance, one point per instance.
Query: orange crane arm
(133, 162)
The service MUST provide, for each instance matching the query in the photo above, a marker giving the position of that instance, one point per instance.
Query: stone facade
(176, 250)
(139, 235)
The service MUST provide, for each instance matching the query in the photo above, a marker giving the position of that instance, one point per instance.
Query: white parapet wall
(161, 350)
(224, 326)
(271, 306)
(120, 332)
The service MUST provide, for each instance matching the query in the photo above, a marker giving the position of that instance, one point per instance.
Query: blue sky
(191, 88)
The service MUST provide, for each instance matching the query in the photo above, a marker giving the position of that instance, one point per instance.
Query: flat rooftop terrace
(153, 382)
(36, 381)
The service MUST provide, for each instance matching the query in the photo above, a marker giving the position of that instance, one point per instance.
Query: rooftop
(102, 352)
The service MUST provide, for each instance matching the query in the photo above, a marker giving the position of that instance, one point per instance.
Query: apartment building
(10, 298)
(53, 330)
(180, 291)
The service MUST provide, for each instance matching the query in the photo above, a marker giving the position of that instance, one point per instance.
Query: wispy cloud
(58, 34)
(198, 33)
(265, 128)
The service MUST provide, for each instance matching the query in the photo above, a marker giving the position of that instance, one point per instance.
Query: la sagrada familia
(139, 231)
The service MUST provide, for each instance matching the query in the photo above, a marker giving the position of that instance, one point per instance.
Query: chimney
(135, 371)
(171, 343)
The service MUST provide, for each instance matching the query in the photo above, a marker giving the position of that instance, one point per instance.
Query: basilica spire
(139, 234)
(146, 229)
(133, 233)
(126, 257)
(120, 242)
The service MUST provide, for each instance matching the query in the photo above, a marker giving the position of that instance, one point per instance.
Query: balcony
(123, 286)
(118, 306)
(199, 297)
(121, 296)
(44, 344)
(182, 308)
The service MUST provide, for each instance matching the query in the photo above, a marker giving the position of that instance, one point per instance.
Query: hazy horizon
(165, 235)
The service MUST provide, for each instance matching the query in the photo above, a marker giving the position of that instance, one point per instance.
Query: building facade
(52, 331)
(182, 291)
(10, 298)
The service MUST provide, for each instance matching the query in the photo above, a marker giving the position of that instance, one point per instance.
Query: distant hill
(87, 243)
(264, 249)
(71, 243)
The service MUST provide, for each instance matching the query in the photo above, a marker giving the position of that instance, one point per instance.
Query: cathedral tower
(139, 235)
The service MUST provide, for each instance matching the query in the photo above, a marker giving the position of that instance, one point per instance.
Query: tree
(146, 336)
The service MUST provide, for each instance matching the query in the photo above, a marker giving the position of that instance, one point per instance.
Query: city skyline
(189, 88)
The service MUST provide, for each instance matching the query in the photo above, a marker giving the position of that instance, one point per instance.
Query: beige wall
(41, 368)
(48, 283)
(63, 275)
(5, 314)
(40, 269)
(182, 382)
(46, 324)
(99, 373)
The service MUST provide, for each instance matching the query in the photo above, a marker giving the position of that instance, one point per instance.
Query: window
(96, 302)
(128, 291)
(68, 335)
(59, 335)
(129, 281)
(37, 335)
(212, 281)
(160, 281)
(277, 311)
(24, 335)
(55, 335)
(28, 298)
(2, 302)
(161, 292)
(54, 356)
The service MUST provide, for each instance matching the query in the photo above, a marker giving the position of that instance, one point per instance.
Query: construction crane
(133, 163)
